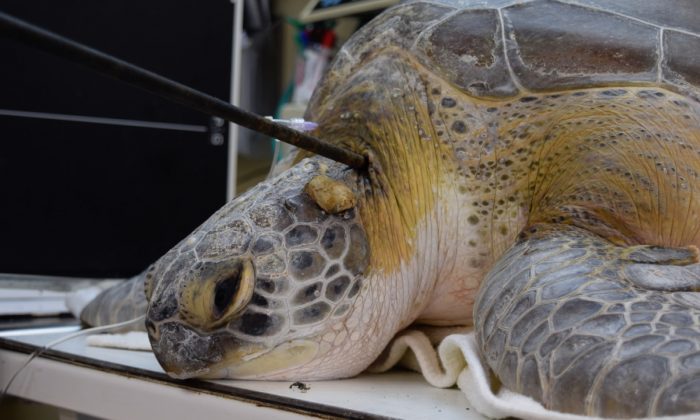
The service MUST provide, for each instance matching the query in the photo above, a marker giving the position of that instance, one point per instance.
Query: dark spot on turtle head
(649, 94)
(300, 235)
(473, 219)
(306, 264)
(260, 301)
(332, 270)
(448, 102)
(342, 309)
(459, 127)
(528, 99)
(355, 288)
(303, 260)
(336, 288)
(613, 92)
(266, 285)
(308, 293)
(257, 324)
(263, 246)
(312, 313)
(333, 241)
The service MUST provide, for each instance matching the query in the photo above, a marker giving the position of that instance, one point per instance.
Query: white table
(126, 384)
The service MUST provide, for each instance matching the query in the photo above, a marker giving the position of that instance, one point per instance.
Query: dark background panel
(97, 200)
(187, 41)
(79, 199)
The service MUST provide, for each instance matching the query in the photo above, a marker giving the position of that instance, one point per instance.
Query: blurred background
(98, 178)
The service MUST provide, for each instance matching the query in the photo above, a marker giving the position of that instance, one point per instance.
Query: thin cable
(38, 352)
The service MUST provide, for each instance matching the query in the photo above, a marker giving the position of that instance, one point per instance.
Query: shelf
(307, 11)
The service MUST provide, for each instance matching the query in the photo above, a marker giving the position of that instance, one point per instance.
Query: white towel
(457, 362)
(134, 340)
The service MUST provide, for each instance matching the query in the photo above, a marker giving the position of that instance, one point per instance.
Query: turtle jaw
(281, 362)
(183, 353)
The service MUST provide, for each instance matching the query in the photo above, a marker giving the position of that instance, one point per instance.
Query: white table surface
(113, 393)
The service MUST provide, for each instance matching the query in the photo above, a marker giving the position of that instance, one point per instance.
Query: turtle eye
(224, 292)
(233, 292)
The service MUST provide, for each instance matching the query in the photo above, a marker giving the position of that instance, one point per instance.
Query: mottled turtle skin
(532, 170)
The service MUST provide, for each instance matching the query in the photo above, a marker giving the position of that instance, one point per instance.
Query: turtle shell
(504, 48)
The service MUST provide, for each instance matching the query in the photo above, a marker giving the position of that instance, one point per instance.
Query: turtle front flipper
(122, 302)
(586, 326)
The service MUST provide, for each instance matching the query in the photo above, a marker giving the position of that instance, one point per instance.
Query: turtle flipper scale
(122, 302)
(585, 326)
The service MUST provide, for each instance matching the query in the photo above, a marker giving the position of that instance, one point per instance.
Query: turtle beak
(182, 352)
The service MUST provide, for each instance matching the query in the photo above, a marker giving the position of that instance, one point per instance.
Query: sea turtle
(533, 168)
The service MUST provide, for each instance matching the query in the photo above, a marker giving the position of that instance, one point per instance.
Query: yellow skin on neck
(387, 120)
(619, 161)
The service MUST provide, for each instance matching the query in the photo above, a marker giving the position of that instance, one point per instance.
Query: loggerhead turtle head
(273, 286)
(255, 290)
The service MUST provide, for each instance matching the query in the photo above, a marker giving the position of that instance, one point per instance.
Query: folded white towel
(134, 340)
(457, 361)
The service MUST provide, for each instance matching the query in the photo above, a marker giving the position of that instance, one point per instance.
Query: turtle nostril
(151, 328)
(163, 307)
(225, 291)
